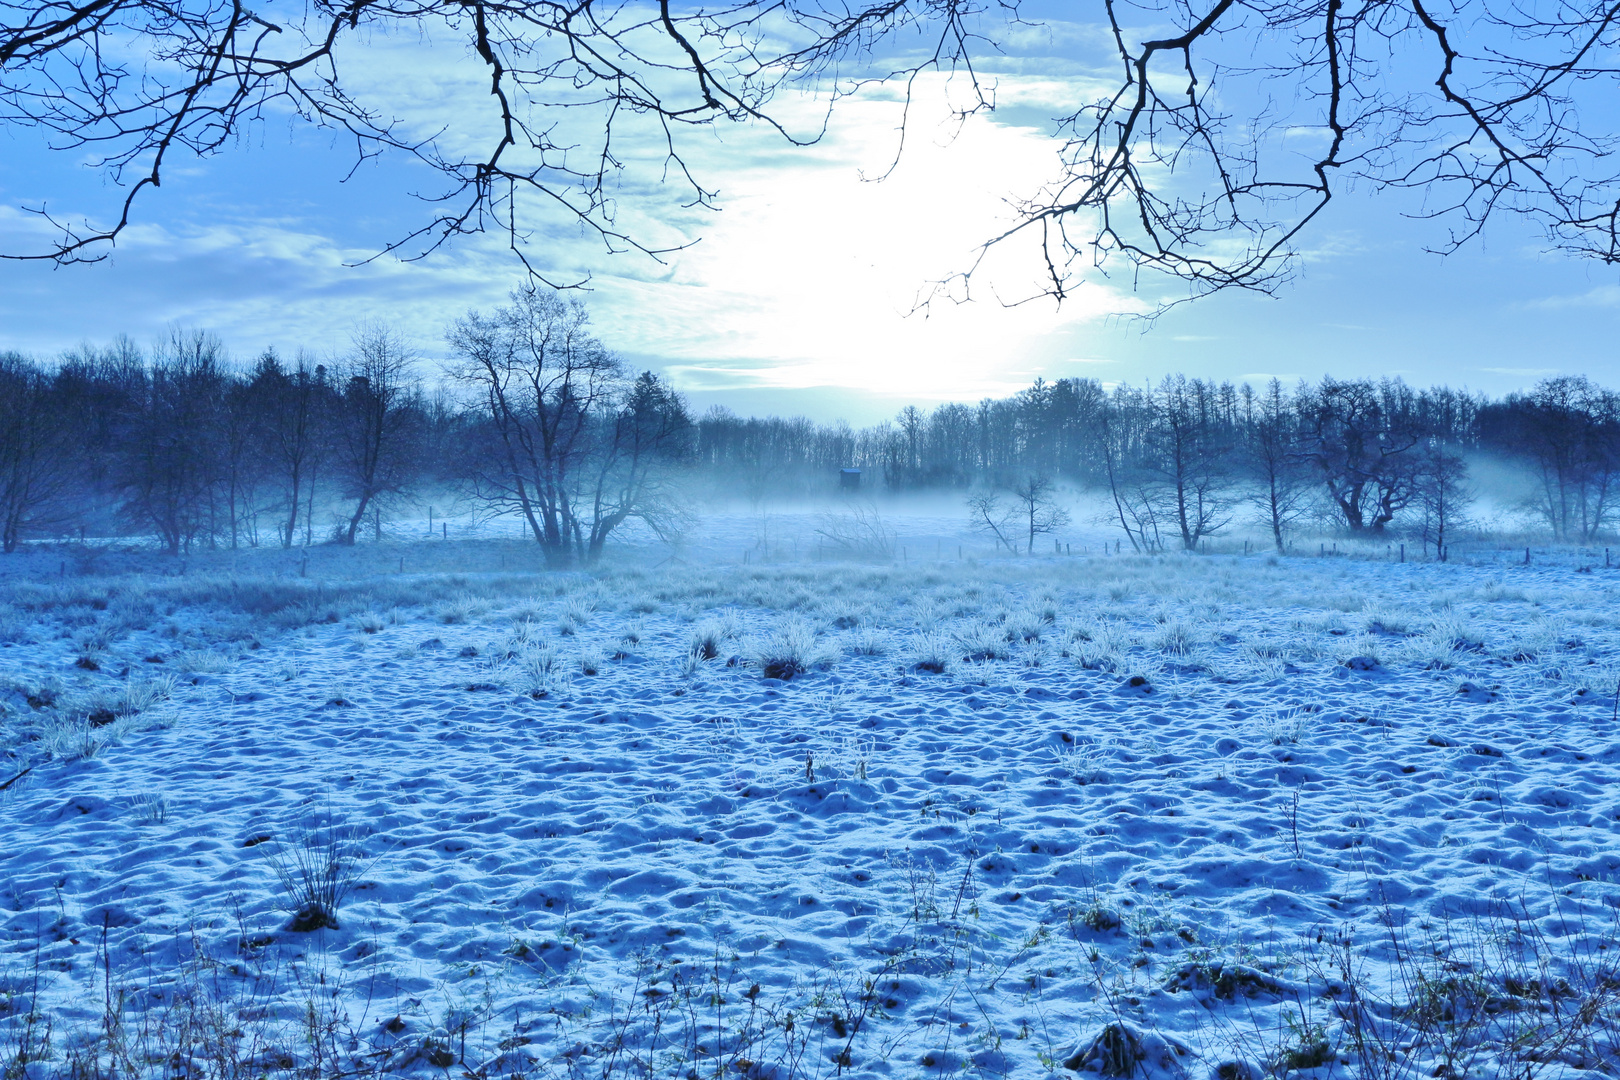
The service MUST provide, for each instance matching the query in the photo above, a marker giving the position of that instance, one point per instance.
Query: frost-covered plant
(1262, 661)
(458, 610)
(926, 612)
(1177, 637)
(14, 625)
(538, 671)
(576, 613)
(1100, 646)
(631, 635)
(1083, 762)
(869, 641)
(693, 662)
(201, 662)
(844, 615)
(1280, 726)
(338, 690)
(1382, 619)
(150, 807)
(592, 659)
(708, 638)
(369, 622)
(792, 649)
(105, 705)
(524, 633)
(73, 738)
(89, 657)
(317, 869)
(1024, 626)
(931, 651)
(850, 756)
(976, 672)
(1461, 636)
(1431, 650)
(1363, 647)
(982, 641)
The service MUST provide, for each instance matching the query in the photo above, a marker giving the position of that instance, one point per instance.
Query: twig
(16, 778)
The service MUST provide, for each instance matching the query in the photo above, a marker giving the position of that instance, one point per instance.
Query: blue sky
(796, 297)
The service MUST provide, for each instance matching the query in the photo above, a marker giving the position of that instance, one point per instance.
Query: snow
(1196, 814)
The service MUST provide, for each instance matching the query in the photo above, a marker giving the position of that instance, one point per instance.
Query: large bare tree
(572, 446)
(1204, 148)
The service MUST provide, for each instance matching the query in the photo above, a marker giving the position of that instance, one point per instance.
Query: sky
(799, 293)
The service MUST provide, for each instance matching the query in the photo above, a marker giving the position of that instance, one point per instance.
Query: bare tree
(377, 421)
(1187, 163)
(987, 513)
(1359, 438)
(1191, 454)
(1281, 492)
(1569, 430)
(1137, 505)
(1443, 496)
(170, 441)
(37, 463)
(1038, 510)
(293, 407)
(640, 435)
(572, 446)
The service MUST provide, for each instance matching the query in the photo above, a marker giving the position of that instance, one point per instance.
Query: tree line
(535, 418)
(1182, 459)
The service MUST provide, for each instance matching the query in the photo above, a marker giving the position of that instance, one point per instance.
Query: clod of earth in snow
(1135, 686)
(1476, 694)
(1122, 1049)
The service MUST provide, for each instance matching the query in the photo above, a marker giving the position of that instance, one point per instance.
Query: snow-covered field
(1211, 816)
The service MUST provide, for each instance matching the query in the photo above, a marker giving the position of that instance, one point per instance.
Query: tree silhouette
(1224, 131)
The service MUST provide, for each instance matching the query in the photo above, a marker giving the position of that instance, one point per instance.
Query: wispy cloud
(1521, 372)
(1602, 296)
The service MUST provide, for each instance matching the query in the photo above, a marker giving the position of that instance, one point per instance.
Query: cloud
(808, 275)
(1602, 296)
(1521, 372)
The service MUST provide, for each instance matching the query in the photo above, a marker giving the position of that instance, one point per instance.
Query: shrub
(317, 871)
(709, 637)
(931, 652)
(792, 650)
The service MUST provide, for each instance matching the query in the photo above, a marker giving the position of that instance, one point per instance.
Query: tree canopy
(1201, 141)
